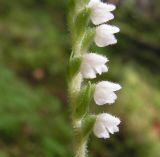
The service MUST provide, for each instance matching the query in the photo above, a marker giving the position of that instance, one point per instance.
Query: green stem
(80, 143)
(76, 81)
(81, 150)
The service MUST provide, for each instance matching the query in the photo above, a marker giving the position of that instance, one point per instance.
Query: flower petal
(105, 124)
(103, 40)
(109, 85)
(100, 130)
(93, 3)
(92, 64)
(100, 16)
(104, 92)
(87, 71)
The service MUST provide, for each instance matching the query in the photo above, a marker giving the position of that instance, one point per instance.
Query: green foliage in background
(34, 50)
(31, 120)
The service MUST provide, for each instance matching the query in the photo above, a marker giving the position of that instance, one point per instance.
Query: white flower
(100, 12)
(92, 64)
(104, 35)
(105, 124)
(104, 92)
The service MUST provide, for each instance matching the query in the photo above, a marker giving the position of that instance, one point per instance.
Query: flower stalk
(84, 65)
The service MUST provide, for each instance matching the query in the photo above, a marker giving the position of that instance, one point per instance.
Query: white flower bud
(104, 35)
(104, 92)
(100, 12)
(93, 64)
(105, 124)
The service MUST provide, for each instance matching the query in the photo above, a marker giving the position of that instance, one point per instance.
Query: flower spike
(84, 65)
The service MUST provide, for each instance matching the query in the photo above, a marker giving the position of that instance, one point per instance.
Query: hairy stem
(75, 82)
(81, 150)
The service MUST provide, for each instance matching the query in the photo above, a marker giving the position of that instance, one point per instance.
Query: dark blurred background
(34, 50)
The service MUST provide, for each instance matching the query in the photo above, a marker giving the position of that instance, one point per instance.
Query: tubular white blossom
(100, 12)
(105, 124)
(105, 35)
(93, 64)
(104, 92)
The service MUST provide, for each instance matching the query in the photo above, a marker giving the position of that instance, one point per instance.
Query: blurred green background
(34, 50)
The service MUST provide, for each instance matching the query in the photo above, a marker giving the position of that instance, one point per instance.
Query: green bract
(87, 125)
(88, 39)
(73, 66)
(83, 100)
(81, 21)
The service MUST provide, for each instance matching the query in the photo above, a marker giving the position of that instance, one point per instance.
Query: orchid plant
(87, 23)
